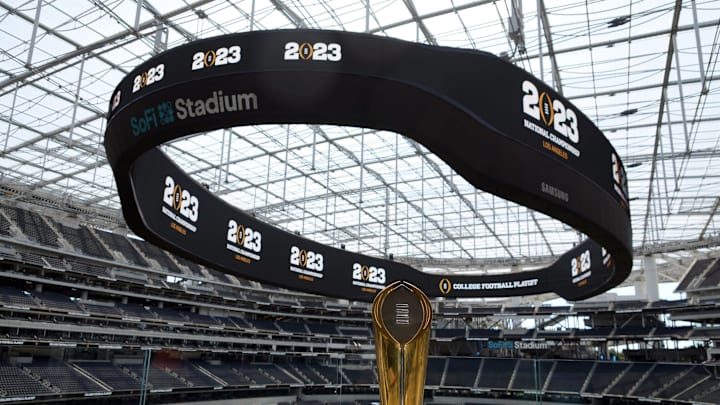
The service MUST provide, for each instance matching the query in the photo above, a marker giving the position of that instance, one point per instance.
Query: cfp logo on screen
(116, 100)
(552, 113)
(620, 184)
(148, 77)
(318, 51)
(244, 241)
(308, 264)
(445, 286)
(367, 276)
(181, 206)
(607, 258)
(580, 268)
(216, 57)
(554, 122)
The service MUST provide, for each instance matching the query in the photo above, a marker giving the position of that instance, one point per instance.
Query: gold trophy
(401, 319)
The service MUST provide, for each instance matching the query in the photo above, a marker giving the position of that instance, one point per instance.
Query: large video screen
(500, 128)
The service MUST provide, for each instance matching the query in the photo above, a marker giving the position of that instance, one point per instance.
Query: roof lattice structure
(644, 71)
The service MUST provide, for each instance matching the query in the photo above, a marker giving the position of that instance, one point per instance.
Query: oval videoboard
(500, 128)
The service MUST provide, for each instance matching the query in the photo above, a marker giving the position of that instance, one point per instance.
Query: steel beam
(658, 128)
(89, 48)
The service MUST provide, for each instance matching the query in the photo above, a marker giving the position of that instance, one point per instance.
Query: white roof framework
(645, 71)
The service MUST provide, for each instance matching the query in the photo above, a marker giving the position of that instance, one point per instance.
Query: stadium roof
(643, 71)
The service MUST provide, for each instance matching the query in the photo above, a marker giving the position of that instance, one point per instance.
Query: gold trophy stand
(401, 318)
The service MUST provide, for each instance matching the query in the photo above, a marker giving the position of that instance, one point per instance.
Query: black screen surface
(500, 128)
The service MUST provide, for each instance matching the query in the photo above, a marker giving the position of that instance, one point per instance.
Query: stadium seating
(56, 301)
(701, 388)
(709, 332)
(692, 275)
(710, 396)
(157, 378)
(496, 373)
(110, 294)
(16, 382)
(296, 328)
(629, 379)
(83, 240)
(121, 244)
(448, 309)
(632, 332)
(592, 333)
(62, 377)
(486, 310)
(8, 253)
(554, 334)
(354, 331)
(672, 332)
(711, 277)
(658, 377)
(307, 374)
(53, 262)
(603, 374)
(361, 375)
(641, 380)
(134, 311)
(101, 309)
(32, 258)
(223, 372)
(311, 303)
(530, 375)
(204, 320)
(264, 324)
(322, 329)
(32, 226)
(111, 375)
(89, 269)
(435, 371)
(159, 256)
(462, 372)
(277, 374)
(130, 276)
(693, 376)
(192, 375)
(484, 333)
(330, 374)
(5, 226)
(14, 298)
(255, 374)
(569, 376)
(169, 315)
(553, 309)
(240, 322)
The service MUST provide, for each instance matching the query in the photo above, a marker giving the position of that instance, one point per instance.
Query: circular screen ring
(497, 126)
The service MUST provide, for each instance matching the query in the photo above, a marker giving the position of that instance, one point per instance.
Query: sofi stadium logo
(167, 112)
(217, 103)
(517, 345)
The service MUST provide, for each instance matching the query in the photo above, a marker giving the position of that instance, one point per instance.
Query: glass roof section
(644, 71)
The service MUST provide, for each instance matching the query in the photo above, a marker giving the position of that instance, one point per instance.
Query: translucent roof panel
(644, 71)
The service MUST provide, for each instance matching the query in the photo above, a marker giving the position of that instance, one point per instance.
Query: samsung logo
(554, 191)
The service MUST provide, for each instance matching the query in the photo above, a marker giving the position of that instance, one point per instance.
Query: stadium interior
(92, 314)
